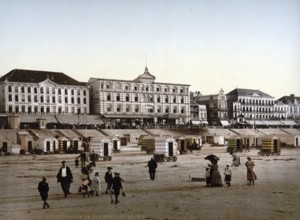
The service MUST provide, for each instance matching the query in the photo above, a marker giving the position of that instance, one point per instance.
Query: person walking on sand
(117, 186)
(65, 178)
(108, 179)
(228, 174)
(85, 188)
(235, 159)
(215, 176)
(152, 165)
(43, 188)
(251, 176)
(95, 186)
(83, 158)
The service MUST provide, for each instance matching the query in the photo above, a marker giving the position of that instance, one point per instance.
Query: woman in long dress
(251, 176)
(215, 176)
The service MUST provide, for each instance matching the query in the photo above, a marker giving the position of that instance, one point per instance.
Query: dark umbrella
(212, 158)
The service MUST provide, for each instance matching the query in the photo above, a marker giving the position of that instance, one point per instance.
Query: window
(108, 97)
(9, 89)
(29, 98)
(47, 90)
(182, 100)
(158, 99)
(53, 99)
(59, 91)
(22, 89)
(78, 100)
(84, 92)
(16, 98)
(66, 99)
(72, 100)
(84, 100)
(42, 98)
(157, 89)
(9, 98)
(136, 109)
(118, 97)
(66, 91)
(118, 108)
(166, 99)
(127, 98)
(42, 90)
(174, 99)
(108, 109)
(135, 88)
(72, 91)
(136, 98)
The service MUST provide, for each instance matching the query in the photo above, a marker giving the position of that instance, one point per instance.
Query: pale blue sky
(209, 44)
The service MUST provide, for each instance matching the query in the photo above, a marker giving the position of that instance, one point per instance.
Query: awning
(79, 119)
(196, 122)
(224, 122)
(288, 122)
(204, 122)
(273, 122)
(126, 116)
(256, 122)
(33, 118)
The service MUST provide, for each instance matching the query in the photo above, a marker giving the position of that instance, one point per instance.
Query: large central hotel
(141, 101)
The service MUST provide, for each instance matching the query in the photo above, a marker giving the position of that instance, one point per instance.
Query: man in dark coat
(83, 158)
(43, 188)
(65, 178)
(108, 179)
(117, 186)
(93, 158)
(152, 165)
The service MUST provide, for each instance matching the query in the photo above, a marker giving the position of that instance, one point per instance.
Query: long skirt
(251, 174)
(216, 179)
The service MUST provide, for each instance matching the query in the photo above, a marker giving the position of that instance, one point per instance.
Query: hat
(228, 164)
(249, 158)
(44, 178)
(117, 173)
(63, 161)
(109, 168)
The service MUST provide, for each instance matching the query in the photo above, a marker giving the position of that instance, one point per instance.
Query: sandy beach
(275, 195)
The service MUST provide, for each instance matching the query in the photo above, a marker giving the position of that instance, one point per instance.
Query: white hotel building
(141, 101)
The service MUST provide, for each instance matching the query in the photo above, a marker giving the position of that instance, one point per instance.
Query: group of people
(213, 176)
(87, 185)
(114, 183)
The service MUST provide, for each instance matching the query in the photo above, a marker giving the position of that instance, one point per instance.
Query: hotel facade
(141, 101)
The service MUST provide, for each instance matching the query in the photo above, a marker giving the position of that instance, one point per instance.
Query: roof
(146, 76)
(35, 76)
(289, 99)
(248, 92)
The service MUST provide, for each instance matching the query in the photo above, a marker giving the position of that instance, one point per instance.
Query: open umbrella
(212, 158)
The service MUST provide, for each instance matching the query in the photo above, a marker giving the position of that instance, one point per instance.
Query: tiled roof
(247, 92)
(289, 99)
(34, 76)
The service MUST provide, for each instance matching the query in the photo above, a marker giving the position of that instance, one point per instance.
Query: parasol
(212, 158)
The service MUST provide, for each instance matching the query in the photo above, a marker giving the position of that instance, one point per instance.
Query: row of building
(28, 95)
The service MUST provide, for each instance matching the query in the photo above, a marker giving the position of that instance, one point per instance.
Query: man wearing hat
(228, 174)
(43, 188)
(65, 178)
(108, 179)
(117, 186)
(152, 165)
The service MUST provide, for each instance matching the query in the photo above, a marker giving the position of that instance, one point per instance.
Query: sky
(207, 44)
